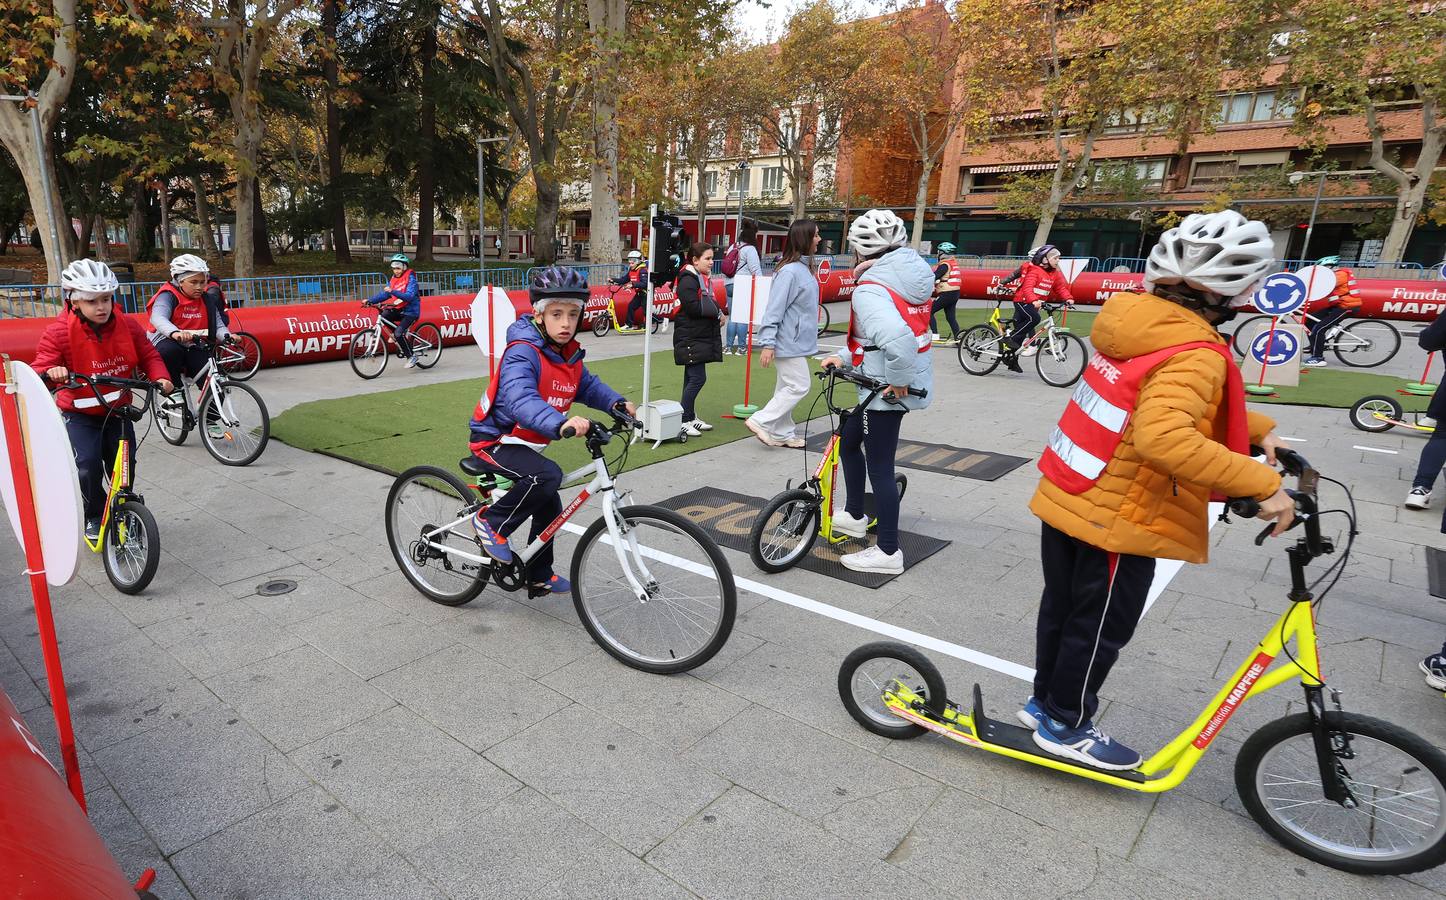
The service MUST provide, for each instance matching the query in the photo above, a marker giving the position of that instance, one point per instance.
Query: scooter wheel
(1365, 413)
(874, 668)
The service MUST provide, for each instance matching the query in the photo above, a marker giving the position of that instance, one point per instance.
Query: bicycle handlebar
(599, 434)
(134, 413)
(1306, 507)
(854, 376)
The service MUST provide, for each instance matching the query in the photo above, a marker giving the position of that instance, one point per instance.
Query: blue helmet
(946, 247)
(565, 283)
(400, 258)
(1328, 261)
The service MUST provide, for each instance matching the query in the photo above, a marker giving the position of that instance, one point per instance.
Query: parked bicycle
(373, 346)
(1359, 343)
(649, 585)
(1059, 356)
(235, 425)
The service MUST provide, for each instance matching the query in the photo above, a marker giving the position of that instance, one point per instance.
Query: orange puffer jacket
(1153, 497)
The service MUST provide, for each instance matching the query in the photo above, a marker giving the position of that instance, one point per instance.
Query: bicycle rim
(130, 551)
(688, 612)
(980, 350)
(1061, 359)
(170, 417)
(234, 424)
(785, 531)
(1364, 345)
(1364, 415)
(368, 353)
(1400, 812)
(427, 345)
(241, 359)
(421, 501)
(1248, 331)
(872, 675)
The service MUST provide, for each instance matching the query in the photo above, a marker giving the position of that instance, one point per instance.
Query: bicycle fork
(1330, 747)
(625, 545)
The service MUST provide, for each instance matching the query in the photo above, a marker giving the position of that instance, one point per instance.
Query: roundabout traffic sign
(1281, 294)
(1282, 347)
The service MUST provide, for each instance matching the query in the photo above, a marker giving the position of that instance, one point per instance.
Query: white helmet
(875, 231)
(89, 276)
(634, 255)
(186, 264)
(1223, 253)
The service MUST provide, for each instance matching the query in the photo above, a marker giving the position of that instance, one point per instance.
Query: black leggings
(694, 377)
(1433, 458)
(181, 360)
(945, 302)
(1322, 324)
(404, 324)
(536, 481)
(1026, 319)
(867, 447)
(94, 440)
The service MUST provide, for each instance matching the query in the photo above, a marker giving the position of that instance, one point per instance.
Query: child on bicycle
(1323, 314)
(526, 408)
(637, 276)
(1042, 281)
(88, 338)
(1157, 425)
(889, 338)
(403, 304)
(182, 311)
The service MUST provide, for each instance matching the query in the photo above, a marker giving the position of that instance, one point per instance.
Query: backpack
(730, 260)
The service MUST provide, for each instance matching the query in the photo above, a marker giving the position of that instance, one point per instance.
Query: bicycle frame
(1046, 326)
(120, 487)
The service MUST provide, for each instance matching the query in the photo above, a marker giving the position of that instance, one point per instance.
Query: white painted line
(1374, 449)
(1294, 440)
(1003, 666)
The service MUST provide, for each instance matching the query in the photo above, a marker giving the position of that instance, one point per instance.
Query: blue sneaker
(554, 585)
(493, 544)
(1086, 744)
(1031, 715)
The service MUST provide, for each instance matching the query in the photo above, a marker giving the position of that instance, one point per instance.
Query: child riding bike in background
(183, 310)
(637, 277)
(401, 304)
(1323, 314)
(526, 408)
(1157, 425)
(88, 338)
(1041, 281)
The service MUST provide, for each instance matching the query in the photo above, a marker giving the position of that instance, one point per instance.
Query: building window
(773, 181)
(710, 184)
(788, 127)
(716, 143)
(1150, 173)
(1215, 170)
(1257, 106)
(748, 140)
(685, 187)
(738, 184)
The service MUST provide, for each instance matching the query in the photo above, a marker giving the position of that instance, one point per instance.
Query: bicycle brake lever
(1269, 529)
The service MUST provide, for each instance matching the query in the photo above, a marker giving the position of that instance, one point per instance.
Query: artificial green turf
(1341, 388)
(396, 430)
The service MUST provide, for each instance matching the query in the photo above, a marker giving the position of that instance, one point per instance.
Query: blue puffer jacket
(518, 400)
(411, 296)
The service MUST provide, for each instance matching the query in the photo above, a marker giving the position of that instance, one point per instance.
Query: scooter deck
(978, 730)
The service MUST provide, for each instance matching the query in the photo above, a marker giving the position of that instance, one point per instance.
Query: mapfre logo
(561, 394)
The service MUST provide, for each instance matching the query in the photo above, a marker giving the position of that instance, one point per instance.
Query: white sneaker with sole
(411, 363)
(1031, 350)
(761, 434)
(843, 523)
(1426, 422)
(701, 425)
(1419, 498)
(875, 560)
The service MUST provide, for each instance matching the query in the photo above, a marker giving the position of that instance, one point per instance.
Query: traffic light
(672, 243)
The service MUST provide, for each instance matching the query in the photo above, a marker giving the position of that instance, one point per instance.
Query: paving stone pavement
(352, 740)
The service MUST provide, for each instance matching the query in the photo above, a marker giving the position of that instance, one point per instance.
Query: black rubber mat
(728, 519)
(1436, 571)
(979, 465)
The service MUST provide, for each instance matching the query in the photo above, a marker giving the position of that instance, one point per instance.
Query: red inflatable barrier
(48, 848)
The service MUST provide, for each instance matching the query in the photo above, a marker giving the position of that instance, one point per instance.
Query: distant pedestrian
(697, 337)
(735, 338)
(788, 335)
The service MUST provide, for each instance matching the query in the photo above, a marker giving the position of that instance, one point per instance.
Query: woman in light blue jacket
(891, 305)
(788, 336)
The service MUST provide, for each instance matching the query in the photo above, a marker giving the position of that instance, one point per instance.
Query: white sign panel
(53, 480)
(1279, 352)
(492, 314)
(1319, 282)
(750, 298)
(1070, 268)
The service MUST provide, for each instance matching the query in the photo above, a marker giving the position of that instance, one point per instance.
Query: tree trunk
(22, 149)
(698, 174)
(203, 219)
(260, 234)
(164, 194)
(504, 232)
(544, 232)
(1058, 187)
(140, 242)
(102, 239)
(335, 203)
(426, 166)
(921, 203)
(87, 225)
(1411, 188)
(607, 20)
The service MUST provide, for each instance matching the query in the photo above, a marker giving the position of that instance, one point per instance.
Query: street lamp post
(482, 205)
(742, 190)
(1297, 178)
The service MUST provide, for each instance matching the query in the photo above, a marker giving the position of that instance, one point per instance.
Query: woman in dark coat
(697, 331)
(1433, 454)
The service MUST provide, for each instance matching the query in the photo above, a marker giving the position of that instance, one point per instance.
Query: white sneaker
(762, 435)
(1426, 422)
(875, 560)
(701, 425)
(1031, 350)
(843, 523)
(1419, 498)
(411, 363)
(691, 429)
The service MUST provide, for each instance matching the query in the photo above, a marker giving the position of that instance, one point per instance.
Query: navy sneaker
(554, 585)
(492, 543)
(1031, 715)
(1086, 744)
(1434, 666)
(92, 530)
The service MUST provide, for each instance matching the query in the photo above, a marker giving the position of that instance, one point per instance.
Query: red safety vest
(111, 351)
(954, 278)
(557, 383)
(397, 283)
(189, 315)
(916, 316)
(635, 274)
(1094, 422)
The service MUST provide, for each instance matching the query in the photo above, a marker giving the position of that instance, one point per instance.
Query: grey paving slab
(370, 638)
(221, 637)
(529, 847)
(314, 595)
(393, 589)
(405, 778)
(307, 847)
(17, 683)
(677, 710)
(84, 622)
(129, 844)
(349, 559)
(745, 846)
(471, 697)
(196, 774)
(517, 635)
(298, 696)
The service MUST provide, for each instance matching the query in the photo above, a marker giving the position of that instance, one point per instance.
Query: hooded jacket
(1153, 497)
(877, 321)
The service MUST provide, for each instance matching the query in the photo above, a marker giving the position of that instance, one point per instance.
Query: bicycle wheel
(234, 424)
(602, 324)
(1366, 343)
(169, 411)
(784, 531)
(1247, 331)
(1398, 781)
(422, 500)
(241, 358)
(1061, 359)
(824, 320)
(980, 350)
(691, 598)
(367, 353)
(1365, 411)
(132, 548)
(872, 669)
(426, 344)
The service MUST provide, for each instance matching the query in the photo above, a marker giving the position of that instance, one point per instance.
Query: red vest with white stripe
(915, 315)
(110, 351)
(954, 278)
(397, 283)
(189, 315)
(1094, 422)
(557, 383)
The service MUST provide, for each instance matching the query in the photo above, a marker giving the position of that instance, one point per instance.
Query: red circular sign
(824, 268)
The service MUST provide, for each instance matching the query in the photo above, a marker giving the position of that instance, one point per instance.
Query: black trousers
(403, 323)
(536, 481)
(1322, 324)
(945, 303)
(867, 447)
(694, 377)
(1092, 601)
(635, 317)
(94, 440)
(1026, 319)
(182, 360)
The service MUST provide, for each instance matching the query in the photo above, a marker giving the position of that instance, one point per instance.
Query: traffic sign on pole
(1281, 294)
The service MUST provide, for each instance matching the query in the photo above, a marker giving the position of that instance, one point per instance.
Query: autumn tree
(1359, 57)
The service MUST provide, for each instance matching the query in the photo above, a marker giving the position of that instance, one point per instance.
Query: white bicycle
(234, 420)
